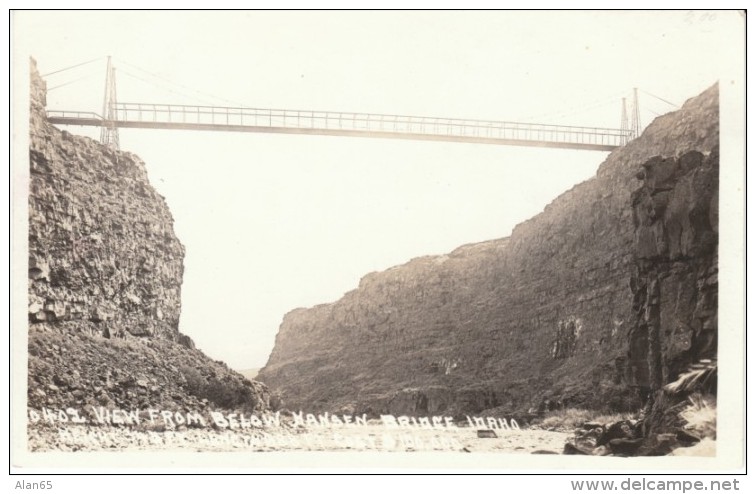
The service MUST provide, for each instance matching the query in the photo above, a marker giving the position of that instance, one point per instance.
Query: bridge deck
(156, 116)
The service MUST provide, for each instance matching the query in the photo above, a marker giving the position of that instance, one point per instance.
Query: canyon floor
(372, 437)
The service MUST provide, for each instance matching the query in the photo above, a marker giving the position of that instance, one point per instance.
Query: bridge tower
(636, 125)
(109, 131)
(624, 130)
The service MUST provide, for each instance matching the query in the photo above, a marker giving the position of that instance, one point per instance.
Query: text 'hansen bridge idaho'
(117, 115)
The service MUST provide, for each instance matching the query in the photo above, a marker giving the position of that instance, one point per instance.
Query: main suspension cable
(72, 66)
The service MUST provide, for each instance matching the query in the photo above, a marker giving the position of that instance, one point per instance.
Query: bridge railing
(365, 122)
(73, 114)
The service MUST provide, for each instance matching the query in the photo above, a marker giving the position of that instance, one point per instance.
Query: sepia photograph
(378, 239)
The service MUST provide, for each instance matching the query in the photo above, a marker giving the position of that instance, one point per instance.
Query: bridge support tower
(109, 131)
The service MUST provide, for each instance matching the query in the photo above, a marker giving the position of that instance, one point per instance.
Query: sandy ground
(371, 437)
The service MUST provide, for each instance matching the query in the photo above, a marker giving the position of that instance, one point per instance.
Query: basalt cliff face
(102, 251)
(567, 311)
(675, 277)
(105, 273)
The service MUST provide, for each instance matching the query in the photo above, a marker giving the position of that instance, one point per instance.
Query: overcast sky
(275, 222)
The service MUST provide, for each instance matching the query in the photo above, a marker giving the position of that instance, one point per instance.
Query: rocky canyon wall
(104, 284)
(557, 314)
(675, 277)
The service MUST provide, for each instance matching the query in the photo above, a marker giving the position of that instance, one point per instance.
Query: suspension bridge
(116, 115)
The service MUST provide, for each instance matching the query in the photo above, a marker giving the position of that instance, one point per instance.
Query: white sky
(275, 222)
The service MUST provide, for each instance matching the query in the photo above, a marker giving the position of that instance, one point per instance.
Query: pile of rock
(683, 415)
(625, 438)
